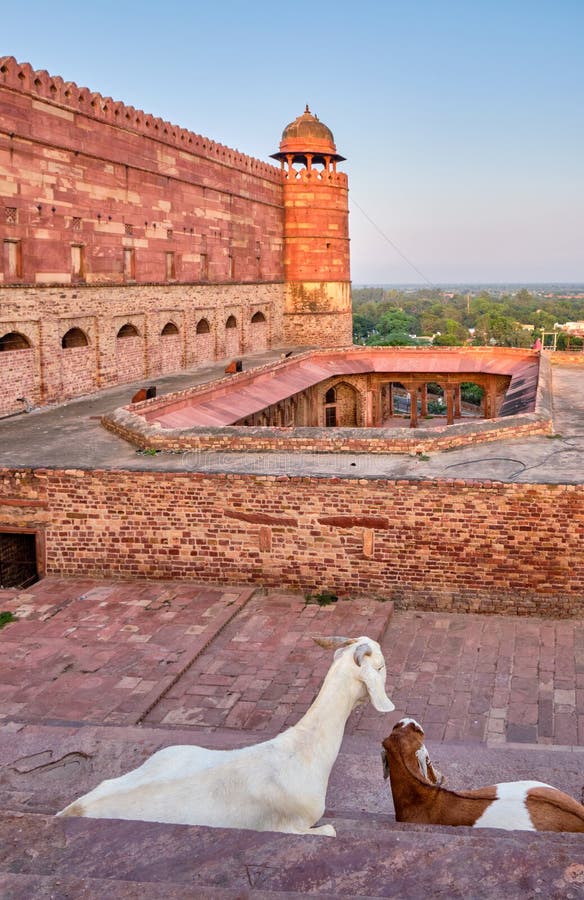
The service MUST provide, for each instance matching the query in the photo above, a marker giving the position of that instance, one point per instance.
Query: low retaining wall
(129, 422)
(323, 440)
(443, 545)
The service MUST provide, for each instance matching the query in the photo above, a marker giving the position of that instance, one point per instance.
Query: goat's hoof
(325, 830)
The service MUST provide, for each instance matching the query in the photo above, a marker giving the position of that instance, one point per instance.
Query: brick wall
(455, 545)
(48, 372)
(17, 377)
(170, 353)
(78, 371)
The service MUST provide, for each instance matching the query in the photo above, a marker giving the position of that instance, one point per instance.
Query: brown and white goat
(516, 805)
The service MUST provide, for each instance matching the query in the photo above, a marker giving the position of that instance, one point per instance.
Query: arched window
(258, 317)
(169, 328)
(13, 340)
(231, 322)
(203, 327)
(127, 330)
(75, 337)
(330, 396)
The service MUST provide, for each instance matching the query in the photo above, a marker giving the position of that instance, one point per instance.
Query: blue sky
(462, 122)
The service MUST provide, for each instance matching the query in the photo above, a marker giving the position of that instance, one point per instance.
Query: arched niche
(13, 340)
(75, 337)
(203, 327)
(169, 328)
(127, 330)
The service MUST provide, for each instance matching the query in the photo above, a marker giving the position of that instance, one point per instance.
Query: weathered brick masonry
(450, 545)
(49, 372)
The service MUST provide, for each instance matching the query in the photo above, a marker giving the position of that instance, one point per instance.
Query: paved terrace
(95, 676)
(70, 436)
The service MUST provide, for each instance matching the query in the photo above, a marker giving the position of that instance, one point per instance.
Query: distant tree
(496, 328)
(363, 325)
(471, 392)
(393, 339)
(446, 340)
(523, 297)
(389, 316)
(395, 321)
(457, 330)
(543, 320)
(430, 324)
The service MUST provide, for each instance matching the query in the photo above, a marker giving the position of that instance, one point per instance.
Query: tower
(317, 307)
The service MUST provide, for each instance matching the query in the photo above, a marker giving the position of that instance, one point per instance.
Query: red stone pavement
(96, 676)
(178, 654)
(488, 678)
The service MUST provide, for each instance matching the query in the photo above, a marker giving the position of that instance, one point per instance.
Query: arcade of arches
(88, 356)
(378, 400)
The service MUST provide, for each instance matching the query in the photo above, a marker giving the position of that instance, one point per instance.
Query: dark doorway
(18, 562)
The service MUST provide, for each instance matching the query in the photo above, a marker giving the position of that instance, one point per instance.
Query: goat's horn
(333, 643)
(360, 652)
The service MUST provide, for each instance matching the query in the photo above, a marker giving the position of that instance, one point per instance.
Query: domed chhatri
(317, 308)
(307, 134)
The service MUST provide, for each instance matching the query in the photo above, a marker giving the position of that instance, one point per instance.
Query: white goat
(278, 785)
(514, 805)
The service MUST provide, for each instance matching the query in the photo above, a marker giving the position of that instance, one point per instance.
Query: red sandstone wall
(316, 207)
(80, 169)
(316, 259)
(442, 545)
(115, 216)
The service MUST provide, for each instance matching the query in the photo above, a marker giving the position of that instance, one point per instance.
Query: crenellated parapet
(68, 95)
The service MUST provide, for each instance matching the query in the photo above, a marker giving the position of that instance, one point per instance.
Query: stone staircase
(41, 856)
(372, 855)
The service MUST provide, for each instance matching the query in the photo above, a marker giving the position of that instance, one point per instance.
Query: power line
(393, 245)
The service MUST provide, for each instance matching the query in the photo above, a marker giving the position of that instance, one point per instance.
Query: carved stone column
(424, 400)
(413, 392)
(370, 408)
(457, 407)
(491, 400)
(449, 392)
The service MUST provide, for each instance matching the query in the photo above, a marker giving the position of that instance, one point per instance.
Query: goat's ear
(333, 643)
(385, 765)
(434, 775)
(374, 681)
(360, 652)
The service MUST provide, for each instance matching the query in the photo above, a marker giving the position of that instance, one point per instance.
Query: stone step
(371, 857)
(42, 768)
